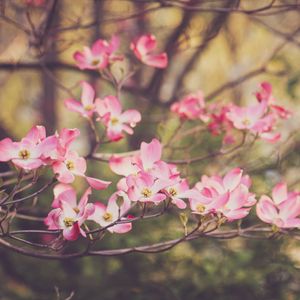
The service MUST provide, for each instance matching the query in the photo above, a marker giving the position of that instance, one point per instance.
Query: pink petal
(71, 233)
(47, 146)
(58, 189)
(279, 192)
(237, 214)
(114, 105)
(84, 199)
(99, 47)
(121, 228)
(292, 223)
(122, 165)
(290, 208)
(8, 149)
(28, 164)
(150, 153)
(266, 210)
(74, 105)
(144, 44)
(64, 175)
(67, 136)
(68, 196)
(232, 179)
(179, 203)
(131, 117)
(88, 94)
(97, 184)
(80, 60)
(156, 61)
(36, 134)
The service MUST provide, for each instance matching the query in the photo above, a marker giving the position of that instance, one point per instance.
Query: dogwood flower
(106, 215)
(147, 188)
(29, 153)
(69, 216)
(99, 55)
(143, 48)
(282, 210)
(265, 94)
(87, 106)
(191, 107)
(228, 196)
(179, 191)
(110, 114)
(73, 165)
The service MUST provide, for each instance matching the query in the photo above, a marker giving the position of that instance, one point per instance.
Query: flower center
(89, 107)
(114, 121)
(95, 62)
(246, 122)
(70, 165)
(172, 192)
(68, 222)
(200, 208)
(107, 217)
(24, 154)
(146, 193)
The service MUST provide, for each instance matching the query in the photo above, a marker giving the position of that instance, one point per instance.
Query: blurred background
(224, 48)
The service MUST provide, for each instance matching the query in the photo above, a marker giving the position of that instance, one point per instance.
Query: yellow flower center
(200, 208)
(68, 222)
(146, 193)
(95, 62)
(107, 217)
(24, 154)
(246, 122)
(114, 121)
(172, 192)
(70, 165)
(89, 107)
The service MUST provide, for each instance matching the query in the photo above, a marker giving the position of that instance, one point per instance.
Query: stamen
(107, 217)
(146, 193)
(70, 165)
(68, 222)
(24, 154)
(200, 208)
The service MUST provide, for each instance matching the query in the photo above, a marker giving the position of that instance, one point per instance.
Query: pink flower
(228, 196)
(106, 215)
(148, 160)
(73, 165)
(282, 210)
(191, 107)
(64, 140)
(265, 94)
(57, 190)
(69, 216)
(178, 191)
(147, 188)
(143, 49)
(248, 118)
(99, 56)
(256, 119)
(29, 153)
(87, 106)
(110, 112)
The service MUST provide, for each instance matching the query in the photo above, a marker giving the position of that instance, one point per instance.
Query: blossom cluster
(36, 150)
(147, 180)
(108, 111)
(103, 53)
(259, 119)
